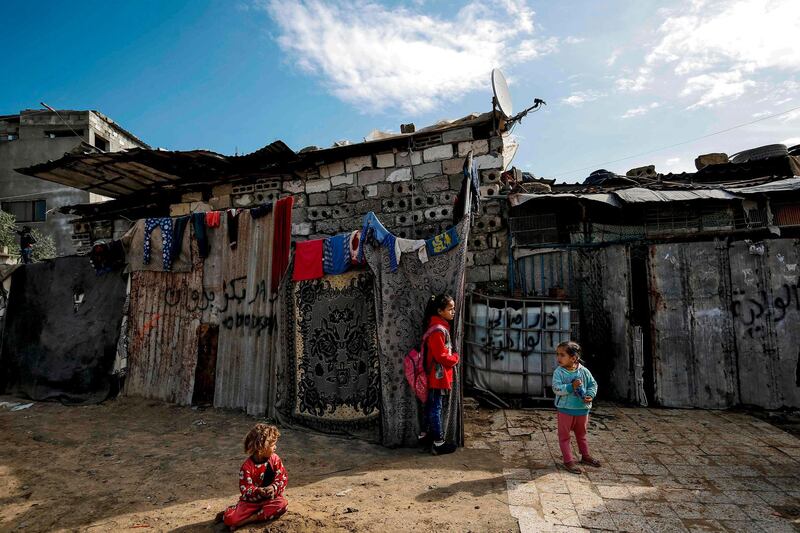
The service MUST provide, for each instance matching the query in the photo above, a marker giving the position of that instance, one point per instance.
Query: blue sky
(620, 78)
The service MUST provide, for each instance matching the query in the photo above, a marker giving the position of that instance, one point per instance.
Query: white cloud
(574, 40)
(716, 88)
(746, 35)
(762, 114)
(641, 110)
(790, 117)
(636, 83)
(579, 98)
(612, 58)
(379, 57)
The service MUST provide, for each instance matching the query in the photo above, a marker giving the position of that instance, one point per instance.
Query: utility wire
(598, 165)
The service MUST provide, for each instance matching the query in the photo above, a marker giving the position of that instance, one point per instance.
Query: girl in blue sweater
(575, 388)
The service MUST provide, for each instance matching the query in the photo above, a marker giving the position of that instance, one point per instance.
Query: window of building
(53, 134)
(100, 143)
(27, 211)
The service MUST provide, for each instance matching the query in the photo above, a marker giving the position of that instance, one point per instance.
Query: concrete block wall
(412, 192)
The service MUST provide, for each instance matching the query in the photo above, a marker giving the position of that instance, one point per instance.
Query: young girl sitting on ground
(575, 388)
(439, 362)
(262, 480)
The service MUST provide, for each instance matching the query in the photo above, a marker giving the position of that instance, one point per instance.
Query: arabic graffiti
(752, 311)
(232, 304)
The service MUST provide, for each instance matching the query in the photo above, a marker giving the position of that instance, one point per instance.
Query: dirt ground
(132, 464)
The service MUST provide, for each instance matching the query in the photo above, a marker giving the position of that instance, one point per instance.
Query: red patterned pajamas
(255, 480)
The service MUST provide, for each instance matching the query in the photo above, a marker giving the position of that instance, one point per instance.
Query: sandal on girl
(573, 468)
(591, 461)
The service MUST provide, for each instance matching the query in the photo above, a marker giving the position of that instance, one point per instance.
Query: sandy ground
(138, 465)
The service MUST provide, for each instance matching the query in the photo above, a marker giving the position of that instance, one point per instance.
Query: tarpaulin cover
(60, 339)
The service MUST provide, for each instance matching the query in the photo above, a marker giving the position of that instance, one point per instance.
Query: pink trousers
(577, 424)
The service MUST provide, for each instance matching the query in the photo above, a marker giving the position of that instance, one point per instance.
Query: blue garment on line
(200, 233)
(442, 243)
(372, 228)
(336, 254)
(166, 240)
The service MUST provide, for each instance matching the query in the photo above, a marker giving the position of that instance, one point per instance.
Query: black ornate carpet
(332, 353)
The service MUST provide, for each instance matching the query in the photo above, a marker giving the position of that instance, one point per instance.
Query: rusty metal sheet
(162, 335)
(766, 315)
(694, 359)
(229, 289)
(246, 318)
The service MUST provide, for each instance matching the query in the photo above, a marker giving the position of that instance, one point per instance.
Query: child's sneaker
(591, 461)
(443, 448)
(573, 468)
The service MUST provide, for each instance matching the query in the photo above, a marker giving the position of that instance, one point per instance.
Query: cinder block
(320, 185)
(344, 179)
(368, 177)
(490, 177)
(179, 210)
(220, 202)
(437, 153)
(301, 228)
(331, 170)
(355, 194)
(461, 134)
(385, 190)
(371, 191)
(341, 211)
(453, 166)
(192, 197)
(319, 198)
(242, 200)
(384, 160)
(479, 147)
(354, 164)
(400, 174)
(428, 169)
(439, 183)
(319, 213)
(488, 161)
(290, 186)
(337, 197)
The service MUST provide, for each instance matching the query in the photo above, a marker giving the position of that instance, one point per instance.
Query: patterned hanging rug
(333, 353)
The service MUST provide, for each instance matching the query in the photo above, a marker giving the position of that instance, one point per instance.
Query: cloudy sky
(626, 83)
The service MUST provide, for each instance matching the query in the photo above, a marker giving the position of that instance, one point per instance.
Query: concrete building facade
(36, 136)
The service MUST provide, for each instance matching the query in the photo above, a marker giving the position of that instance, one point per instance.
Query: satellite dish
(502, 97)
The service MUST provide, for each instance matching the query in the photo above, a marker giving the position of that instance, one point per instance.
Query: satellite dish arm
(537, 104)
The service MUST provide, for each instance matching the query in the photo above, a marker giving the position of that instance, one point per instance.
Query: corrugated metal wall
(765, 308)
(694, 361)
(229, 288)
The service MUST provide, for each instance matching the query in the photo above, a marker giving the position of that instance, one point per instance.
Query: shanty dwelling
(685, 285)
(221, 310)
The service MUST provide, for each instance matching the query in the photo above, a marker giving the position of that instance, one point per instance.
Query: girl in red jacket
(439, 362)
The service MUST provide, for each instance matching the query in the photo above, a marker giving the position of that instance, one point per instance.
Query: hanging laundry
(308, 260)
(199, 223)
(442, 243)
(233, 227)
(355, 238)
(213, 219)
(336, 254)
(261, 210)
(373, 229)
(282, 239)
(166, 239)
(178, 228)
(411, 245)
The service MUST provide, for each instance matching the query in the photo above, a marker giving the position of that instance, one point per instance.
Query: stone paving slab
(664, 470)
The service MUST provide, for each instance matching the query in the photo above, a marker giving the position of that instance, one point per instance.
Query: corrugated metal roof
(606, 198)
(790, 184)
(642, 195)
(119, 174)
